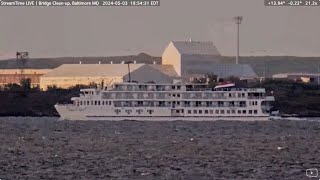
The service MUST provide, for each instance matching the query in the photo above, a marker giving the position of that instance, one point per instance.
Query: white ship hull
(67, 113)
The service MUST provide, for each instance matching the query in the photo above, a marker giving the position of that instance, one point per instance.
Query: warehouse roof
(51, 63)
(223, 70)
(196, 48)
(106, 70)
(92, 70)
(165, 69)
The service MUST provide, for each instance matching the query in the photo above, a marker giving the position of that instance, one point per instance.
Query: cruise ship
(168, 102)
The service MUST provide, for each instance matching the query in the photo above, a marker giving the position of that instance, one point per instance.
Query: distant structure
(313, 78)
(183, 54)
(16, 70)
(238, 20)
(69, 75)
(243, 71)
(11, 76)
(192, 58)
(22, 58)
(13, 70)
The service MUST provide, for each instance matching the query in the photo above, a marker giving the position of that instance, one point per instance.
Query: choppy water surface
(45, 148)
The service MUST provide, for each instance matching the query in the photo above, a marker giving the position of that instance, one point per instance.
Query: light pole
(318, 73)
(238, 20)
(129, 70)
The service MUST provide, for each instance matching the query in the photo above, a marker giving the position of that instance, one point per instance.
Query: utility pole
(318, 73)
(129, 70)
(264, 71)
(238, 20)
(22, 58)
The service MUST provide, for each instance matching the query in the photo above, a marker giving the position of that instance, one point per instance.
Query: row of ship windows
(93, 103)
(144, 87)
(98, 103)
(129, 111)
(219, 95)
(253, 103)
(168, 87)
(221, 111)
(139, 111)
(187, 95)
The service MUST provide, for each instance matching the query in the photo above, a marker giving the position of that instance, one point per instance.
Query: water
(45, 148)
(313, 119)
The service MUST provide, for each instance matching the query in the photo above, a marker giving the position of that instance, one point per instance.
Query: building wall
(11, 76)
(183, 63)
(16, 78)
(148, 74)
(194, 65)
(67, 82)
(306, 78)
(25, 71)
(172, 56)
(188, 62)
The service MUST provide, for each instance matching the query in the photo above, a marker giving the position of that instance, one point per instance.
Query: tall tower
(238, 20)
(22, 58)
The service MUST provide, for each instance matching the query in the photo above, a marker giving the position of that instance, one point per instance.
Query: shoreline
(10, 116)
(292, 99)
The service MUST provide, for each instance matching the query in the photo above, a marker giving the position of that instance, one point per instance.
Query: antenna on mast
(238, 20)
(22, 58)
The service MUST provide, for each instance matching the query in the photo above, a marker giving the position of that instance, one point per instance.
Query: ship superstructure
(167, 102)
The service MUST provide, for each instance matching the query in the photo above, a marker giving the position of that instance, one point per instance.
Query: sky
(112, 31)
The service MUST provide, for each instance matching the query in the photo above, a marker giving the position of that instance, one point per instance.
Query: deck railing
(191, 89)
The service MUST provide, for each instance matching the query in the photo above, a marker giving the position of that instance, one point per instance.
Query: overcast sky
(104, 31)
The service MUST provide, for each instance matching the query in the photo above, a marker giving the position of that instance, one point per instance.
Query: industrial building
(181, 59)
(313, 78)
(10, 76)
(69, 75)
(243, 71)
(13, 70)
(182, 54)
(193, 58)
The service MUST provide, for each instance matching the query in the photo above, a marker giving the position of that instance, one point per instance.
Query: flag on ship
(225, 85)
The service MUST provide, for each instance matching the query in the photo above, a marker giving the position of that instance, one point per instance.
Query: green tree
(25, 84)
(13, 87)
(93, 85)
(52, 88)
